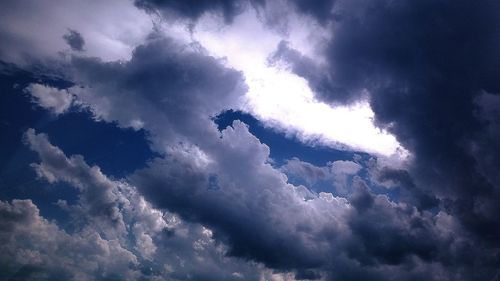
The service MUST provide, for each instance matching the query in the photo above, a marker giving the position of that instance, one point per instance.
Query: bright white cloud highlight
(283, 100)
(55, 100)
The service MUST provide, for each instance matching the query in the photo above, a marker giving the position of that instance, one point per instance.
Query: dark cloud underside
(424, 65)
(74, 39)
(204, 196)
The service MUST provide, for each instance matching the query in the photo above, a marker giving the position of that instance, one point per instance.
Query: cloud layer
(212, 204)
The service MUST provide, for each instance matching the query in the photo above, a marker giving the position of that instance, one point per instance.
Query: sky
(276, 140)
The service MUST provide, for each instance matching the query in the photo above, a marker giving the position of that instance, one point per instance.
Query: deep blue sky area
(116, 151)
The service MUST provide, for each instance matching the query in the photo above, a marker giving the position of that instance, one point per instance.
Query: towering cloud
(211, 203)
(423, 65)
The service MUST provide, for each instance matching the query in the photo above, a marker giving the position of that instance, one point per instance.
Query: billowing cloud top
(266, 140)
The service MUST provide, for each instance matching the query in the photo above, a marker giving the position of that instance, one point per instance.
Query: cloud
(74, 39)
(32, 31)
(283, 100)
(306, 171)
(99, 196)
(171, 89)
(157, 87)
(338, 173)
(248, 206)
(158, 243)
(225, 182)
(35, 248)
(248, 197)
(55, 100)
(423, 66)
(318, 76)
(194, 9)
(213, 206)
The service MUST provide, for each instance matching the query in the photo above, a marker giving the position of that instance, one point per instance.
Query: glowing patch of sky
(282, 99)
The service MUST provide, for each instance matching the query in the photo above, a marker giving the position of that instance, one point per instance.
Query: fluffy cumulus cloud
(211, 203)
(424, 68)
(339, 173)
(55, 100)
(169, 88)
(134, 240)
(34, 248)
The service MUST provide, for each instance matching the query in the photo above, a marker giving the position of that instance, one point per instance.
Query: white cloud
(337, 172)
(279, 98)
(29, 240)
(55, 100)
(282, 99)
(33, 29)
(173, 248)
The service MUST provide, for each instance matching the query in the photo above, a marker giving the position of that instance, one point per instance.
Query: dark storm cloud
(194, 9)
(173, 90)
(393, 237)
(223, 180)
(423, 64)
(427, 73)
(318, 76)
(410, 192)
(320, 9)
(168, 88)
(249, 208)
(74, 39)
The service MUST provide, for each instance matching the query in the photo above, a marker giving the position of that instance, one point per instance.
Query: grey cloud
(275, 13)
(161, 245)
(35, 248)
(98, 194)
(338, 173)
(305, 171)
(33, 31)
(194, 9)
(332, 86)
(74, 39)
(168, 88)
(423, 66)
(411, 193)
(362, 236)
(249, 208)
(224, 181)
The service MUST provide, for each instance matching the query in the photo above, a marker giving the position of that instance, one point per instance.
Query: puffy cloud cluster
(224, 180)
(424, 68)
(168, 88)
(211, 205)
(116, 232)
(55, 100)
(338, 173)
(247, 210)
(34, 248)
(34, 31)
